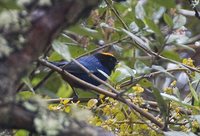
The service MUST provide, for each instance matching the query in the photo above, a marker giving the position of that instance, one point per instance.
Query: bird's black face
(107, 60)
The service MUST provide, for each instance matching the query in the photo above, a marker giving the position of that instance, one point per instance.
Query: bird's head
(107, 59)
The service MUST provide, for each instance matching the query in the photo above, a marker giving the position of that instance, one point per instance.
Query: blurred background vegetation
(157, 45)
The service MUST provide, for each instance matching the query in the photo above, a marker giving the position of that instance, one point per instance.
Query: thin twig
(58, 100)
(104, 46)
(117, 15)
(193, 39)
(130, 82)
(186, 12)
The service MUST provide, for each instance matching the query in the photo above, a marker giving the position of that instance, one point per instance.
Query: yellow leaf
(67, 109)
(92, 102)
(66, 101)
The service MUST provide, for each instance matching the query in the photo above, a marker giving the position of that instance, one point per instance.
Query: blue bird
(94, 63)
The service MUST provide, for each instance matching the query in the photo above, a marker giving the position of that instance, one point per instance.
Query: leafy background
(157, 46)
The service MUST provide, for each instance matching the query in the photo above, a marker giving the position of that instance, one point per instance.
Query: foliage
(157, 71)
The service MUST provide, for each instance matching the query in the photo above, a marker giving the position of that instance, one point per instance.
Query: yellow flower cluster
(107, 110)
(168, 90)
(188, 62)
(195, 126)
(173, 84)
(138, 100)
(137, 89)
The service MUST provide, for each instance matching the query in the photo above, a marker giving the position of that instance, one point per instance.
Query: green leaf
(120, 116)
(54, 56)
(145, 83)
(171, 55)
(168, 20)
(122, 72)
(21, 133)
(62, 49)
(179, 21)
(136, 38)
(185, 47)
(194, 94)
(9, 4)
(134, 27)
(25, 95)
(114, 77)
(167, 4)
(170, 97)
(161, 103)
(141, 68)
(175, 99)
(153, 26)
(64, 90)
(178, 133)
(139, 10)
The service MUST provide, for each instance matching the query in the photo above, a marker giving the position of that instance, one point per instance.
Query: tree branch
(102, 91)
(37, 119)
(44, 29)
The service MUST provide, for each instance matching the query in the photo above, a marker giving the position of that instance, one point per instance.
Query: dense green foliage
(157, 51)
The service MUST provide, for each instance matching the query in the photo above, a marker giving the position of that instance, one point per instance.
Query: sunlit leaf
(67, 109)
(54, 56)
(194, 94)
(145, 83)
(179, 21)
(158, 14)
(21, 133)
(120, 116)
(92, 102)
(134, 27)
(62, 49)
(178, 133)
(122, 72)
(173, 98)
(139, 10)
(64, 91)
(136, 39)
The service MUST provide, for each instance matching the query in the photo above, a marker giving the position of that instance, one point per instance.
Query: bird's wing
(72, 67)
(68, 66)
(89, 62)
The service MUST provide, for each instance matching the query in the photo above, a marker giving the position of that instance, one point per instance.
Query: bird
(101, 61)
(119, 0)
